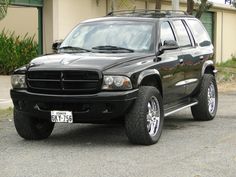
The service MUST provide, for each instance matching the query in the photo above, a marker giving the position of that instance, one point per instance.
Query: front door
(191, 61)
(171, 67)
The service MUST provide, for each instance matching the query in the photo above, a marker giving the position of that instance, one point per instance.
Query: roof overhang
(28, 3)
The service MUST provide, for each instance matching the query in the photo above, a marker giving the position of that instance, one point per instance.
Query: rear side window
(166, 32)
(199, 32)
(182, 34)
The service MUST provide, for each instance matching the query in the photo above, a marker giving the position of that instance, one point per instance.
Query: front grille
(64, 82)
(74, 107)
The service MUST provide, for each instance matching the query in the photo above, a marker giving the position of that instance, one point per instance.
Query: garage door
(207, 20)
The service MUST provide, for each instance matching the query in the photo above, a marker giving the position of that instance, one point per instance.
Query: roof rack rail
(146, 13)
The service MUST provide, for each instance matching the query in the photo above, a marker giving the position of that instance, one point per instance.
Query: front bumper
(86, 108)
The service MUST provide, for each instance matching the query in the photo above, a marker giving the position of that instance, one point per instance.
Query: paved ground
(186, 149)
(5, 85)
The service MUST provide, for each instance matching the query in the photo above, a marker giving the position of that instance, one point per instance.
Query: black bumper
(90, 108)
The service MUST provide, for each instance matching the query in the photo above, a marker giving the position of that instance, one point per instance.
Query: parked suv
(133, 66)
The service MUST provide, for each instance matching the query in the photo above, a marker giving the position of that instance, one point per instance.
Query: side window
(199, 33)
(182, 34)
(166, 32)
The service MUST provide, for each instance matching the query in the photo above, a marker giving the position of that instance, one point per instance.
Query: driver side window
(166, 33)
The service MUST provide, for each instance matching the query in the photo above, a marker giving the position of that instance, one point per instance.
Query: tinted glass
(182, 34)
(137, 36)
(199, 33)
(166, 32)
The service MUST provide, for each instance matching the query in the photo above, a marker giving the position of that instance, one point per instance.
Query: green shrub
(15, 51)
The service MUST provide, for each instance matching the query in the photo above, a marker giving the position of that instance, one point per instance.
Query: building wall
(21, 20)
(229, 37)
(225, 27)
(71, 12)
(48, 29)
(61, 16)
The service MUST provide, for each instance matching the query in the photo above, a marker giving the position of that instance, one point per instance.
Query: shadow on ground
(106, 135)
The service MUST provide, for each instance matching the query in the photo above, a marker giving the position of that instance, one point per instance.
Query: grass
(229, 64)
(5, 113)
(227, 71)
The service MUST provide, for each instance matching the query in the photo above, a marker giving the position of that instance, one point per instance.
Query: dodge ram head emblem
(65, 62)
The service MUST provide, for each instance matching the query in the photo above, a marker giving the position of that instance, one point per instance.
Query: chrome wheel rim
(153, 116)
(211, 98)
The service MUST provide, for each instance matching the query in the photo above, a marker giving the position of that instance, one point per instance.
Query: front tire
(144, 122)
(32, 128)
(207, 98)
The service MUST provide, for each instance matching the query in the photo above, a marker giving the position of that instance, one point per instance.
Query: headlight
(18, 81)
(116, 83)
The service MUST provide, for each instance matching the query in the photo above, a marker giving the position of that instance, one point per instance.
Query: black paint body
(177, 74)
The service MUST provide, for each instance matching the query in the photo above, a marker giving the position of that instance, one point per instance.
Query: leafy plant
(15, 51)
(201, 6)
(234, 3)
(3, 8)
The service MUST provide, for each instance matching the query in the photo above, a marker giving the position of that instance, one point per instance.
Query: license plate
(62, 116)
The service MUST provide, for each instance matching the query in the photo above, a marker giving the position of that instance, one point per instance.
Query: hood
(83, 61)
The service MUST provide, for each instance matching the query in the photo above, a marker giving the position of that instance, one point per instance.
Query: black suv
(133, 66)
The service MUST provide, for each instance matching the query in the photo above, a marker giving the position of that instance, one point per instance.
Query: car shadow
(107, 135)
(89, 134)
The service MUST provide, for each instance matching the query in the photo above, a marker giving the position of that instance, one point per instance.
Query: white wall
(48, 26)
(71, 12)
(61, 16)
(22, 20)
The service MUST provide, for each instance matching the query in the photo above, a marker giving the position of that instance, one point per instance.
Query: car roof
(120, 18)
(142, 15)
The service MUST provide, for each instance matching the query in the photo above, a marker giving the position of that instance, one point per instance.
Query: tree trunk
(158, 4)
(190, 5)
(202, 8)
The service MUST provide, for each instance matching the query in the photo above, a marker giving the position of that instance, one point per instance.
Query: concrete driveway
(5, 85)
(186, 149)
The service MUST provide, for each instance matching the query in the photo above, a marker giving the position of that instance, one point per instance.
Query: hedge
(15, 51)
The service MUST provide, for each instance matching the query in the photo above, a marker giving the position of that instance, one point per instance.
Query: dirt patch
(226, 79)
(6, 113)
(227, 86)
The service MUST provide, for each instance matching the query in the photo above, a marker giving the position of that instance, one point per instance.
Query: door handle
(181, 61)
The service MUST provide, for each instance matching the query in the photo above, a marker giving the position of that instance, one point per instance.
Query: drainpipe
(40, 30)
(222, 33)
(112, 5)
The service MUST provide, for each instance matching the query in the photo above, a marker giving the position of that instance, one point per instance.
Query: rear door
(200, 53)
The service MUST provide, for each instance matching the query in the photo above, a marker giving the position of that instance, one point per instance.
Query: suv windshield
(111, 36)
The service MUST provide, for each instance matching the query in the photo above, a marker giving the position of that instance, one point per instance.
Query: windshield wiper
(74, 48)
(111, 47)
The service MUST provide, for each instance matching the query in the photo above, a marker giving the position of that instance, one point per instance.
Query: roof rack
(148, 13)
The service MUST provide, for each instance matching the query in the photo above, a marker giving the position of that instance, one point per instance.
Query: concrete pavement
(187, 148)
(5, 86)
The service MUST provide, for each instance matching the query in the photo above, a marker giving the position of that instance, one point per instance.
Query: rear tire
(207, 98)
(32, 128)
(144, 122)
